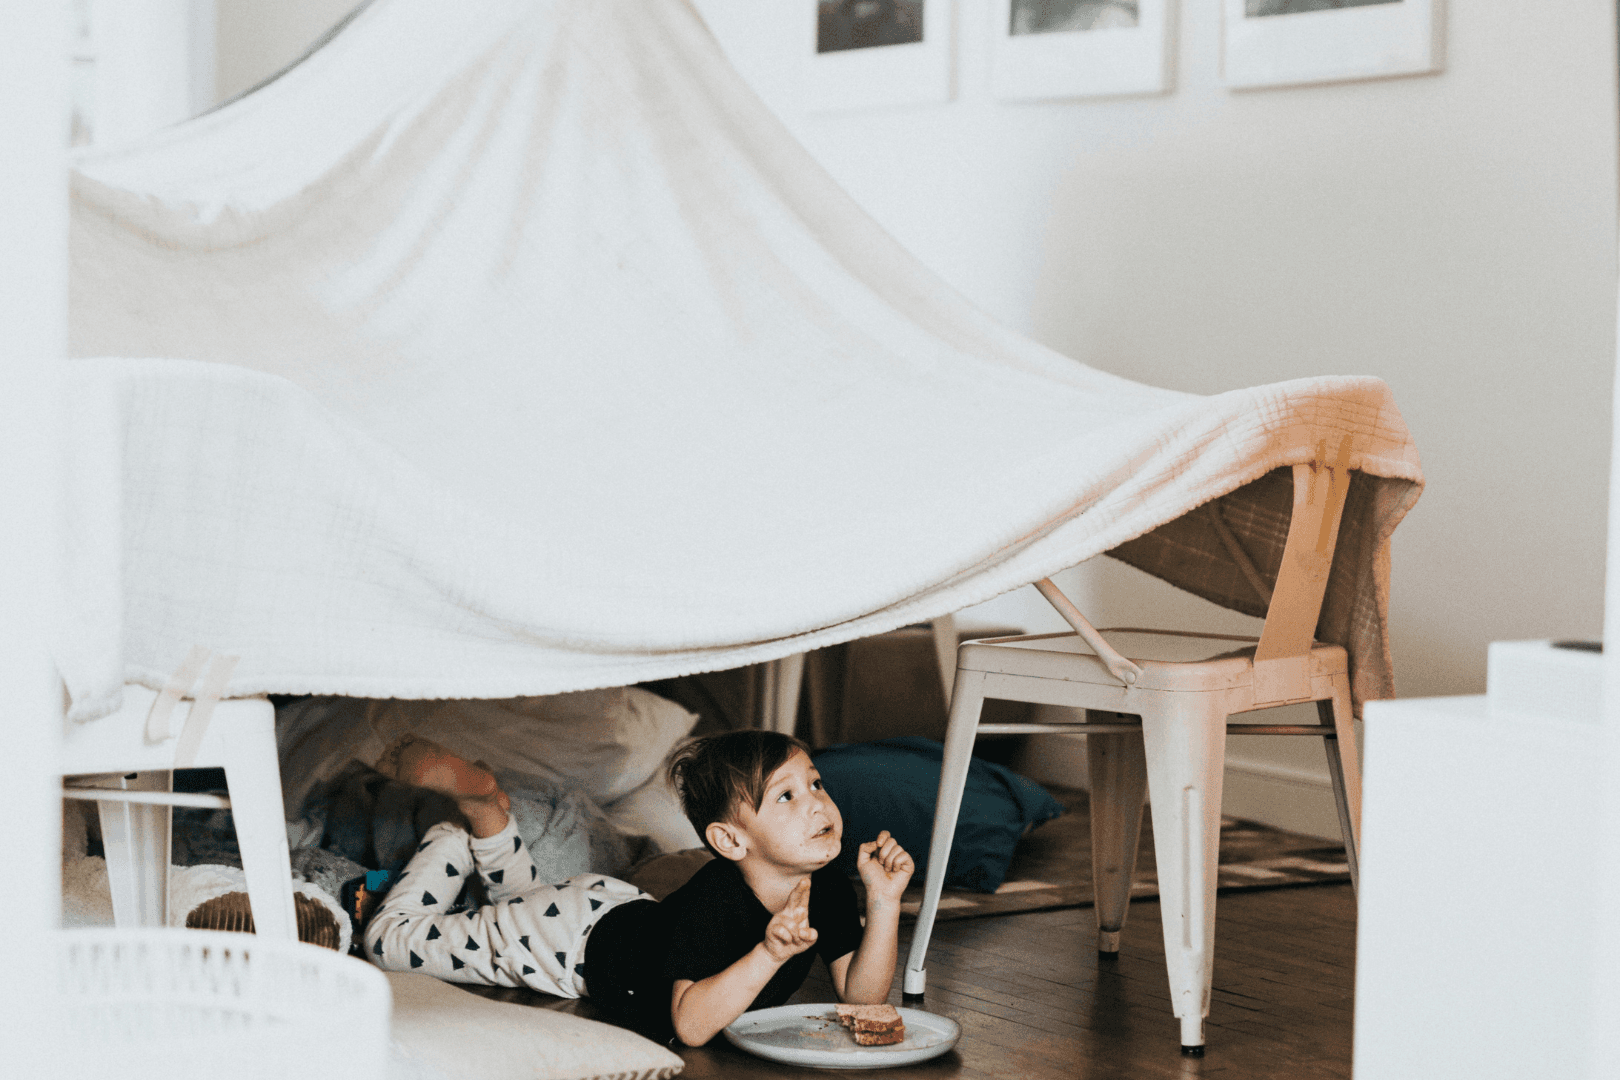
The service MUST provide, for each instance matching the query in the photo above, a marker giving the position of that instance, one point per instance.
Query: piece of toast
(873, 1025)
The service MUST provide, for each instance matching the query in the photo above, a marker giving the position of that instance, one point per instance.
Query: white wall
(153, 66)
(1452, 234)
(33, 340)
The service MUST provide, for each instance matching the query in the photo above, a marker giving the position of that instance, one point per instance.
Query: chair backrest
(1281, 660)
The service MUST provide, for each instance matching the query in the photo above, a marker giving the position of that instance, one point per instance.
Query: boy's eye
(786, 796)
(815, 785)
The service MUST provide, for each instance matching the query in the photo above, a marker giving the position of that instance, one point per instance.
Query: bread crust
(873, 1025)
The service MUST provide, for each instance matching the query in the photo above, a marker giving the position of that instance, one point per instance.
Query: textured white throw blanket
(510, 347)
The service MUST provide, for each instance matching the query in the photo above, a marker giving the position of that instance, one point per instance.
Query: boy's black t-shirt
(715, 919)
(640, 949)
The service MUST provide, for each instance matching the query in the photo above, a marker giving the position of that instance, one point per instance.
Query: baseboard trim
(1281, 774)
(1282, 796)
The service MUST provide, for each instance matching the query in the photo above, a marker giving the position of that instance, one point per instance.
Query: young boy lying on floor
(737, 936)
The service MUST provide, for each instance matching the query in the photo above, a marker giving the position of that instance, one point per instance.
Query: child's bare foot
(426, 764)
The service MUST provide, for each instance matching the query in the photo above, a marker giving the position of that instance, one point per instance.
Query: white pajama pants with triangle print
(530, 933)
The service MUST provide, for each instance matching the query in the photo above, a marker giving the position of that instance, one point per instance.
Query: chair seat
(1170, 660)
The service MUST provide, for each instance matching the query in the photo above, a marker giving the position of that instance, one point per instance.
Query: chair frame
(1174, 752)
(115, 763)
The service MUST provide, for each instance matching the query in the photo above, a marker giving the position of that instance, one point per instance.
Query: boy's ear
(727, 839)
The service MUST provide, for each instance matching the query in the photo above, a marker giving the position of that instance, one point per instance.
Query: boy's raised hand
(789, 931)
(884, 866)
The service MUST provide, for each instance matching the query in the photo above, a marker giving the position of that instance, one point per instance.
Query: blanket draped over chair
(510, 347)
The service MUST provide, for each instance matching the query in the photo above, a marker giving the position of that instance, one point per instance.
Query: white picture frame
(1374, 39)
(1101, 61)
(880, 76)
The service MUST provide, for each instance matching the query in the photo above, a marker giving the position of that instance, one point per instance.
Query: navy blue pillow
(893, 784)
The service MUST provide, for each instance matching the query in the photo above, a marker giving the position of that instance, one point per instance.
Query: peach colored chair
(1158, 710)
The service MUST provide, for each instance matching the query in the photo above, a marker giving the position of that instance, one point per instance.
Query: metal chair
(1158, 714)
(125, 762)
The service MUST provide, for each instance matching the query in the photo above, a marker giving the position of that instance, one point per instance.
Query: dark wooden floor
(1034, 1000)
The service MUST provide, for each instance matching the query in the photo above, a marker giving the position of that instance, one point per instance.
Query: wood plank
(1035, 1001)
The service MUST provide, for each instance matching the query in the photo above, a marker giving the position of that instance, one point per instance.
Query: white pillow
(439, 1029)
(654, 810)
(606, 743)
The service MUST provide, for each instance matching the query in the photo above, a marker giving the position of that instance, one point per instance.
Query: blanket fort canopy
(510, 347)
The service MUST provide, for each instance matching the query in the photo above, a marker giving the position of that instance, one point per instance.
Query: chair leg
(1344, 766)
(253, 778)
(966, 704)
(136, 838)
(944, 631)
(1185, 743)
(1118, 765)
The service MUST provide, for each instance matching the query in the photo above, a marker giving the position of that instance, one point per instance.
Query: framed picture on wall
(1080, 48)
(872, 53)
(1294, 42)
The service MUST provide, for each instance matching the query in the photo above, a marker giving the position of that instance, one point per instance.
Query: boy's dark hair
(718, 773)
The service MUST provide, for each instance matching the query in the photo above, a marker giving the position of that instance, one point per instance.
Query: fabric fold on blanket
(513, 347)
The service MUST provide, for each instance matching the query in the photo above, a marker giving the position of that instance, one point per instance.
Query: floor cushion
(441, 1032)
(892, 784)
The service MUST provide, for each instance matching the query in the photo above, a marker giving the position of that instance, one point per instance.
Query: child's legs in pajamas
(530, 934)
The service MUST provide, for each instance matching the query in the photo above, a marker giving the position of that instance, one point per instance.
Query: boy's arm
(864, 976)
(700, 1009)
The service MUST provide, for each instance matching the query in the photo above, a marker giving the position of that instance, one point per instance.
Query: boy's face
(797, 827)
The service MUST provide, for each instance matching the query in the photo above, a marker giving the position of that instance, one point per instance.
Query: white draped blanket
(512, 346)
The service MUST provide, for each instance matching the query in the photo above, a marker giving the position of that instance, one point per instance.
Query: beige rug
(1052, 868)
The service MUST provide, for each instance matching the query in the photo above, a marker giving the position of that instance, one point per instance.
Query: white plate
(811, 1035)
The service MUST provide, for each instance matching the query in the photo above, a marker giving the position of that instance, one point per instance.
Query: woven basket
(177, 1004)
(232, 911)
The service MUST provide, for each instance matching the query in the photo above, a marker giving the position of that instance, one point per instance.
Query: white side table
(1478, 886)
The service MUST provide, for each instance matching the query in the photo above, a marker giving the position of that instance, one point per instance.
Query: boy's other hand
(884, 866)
(789, 931)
